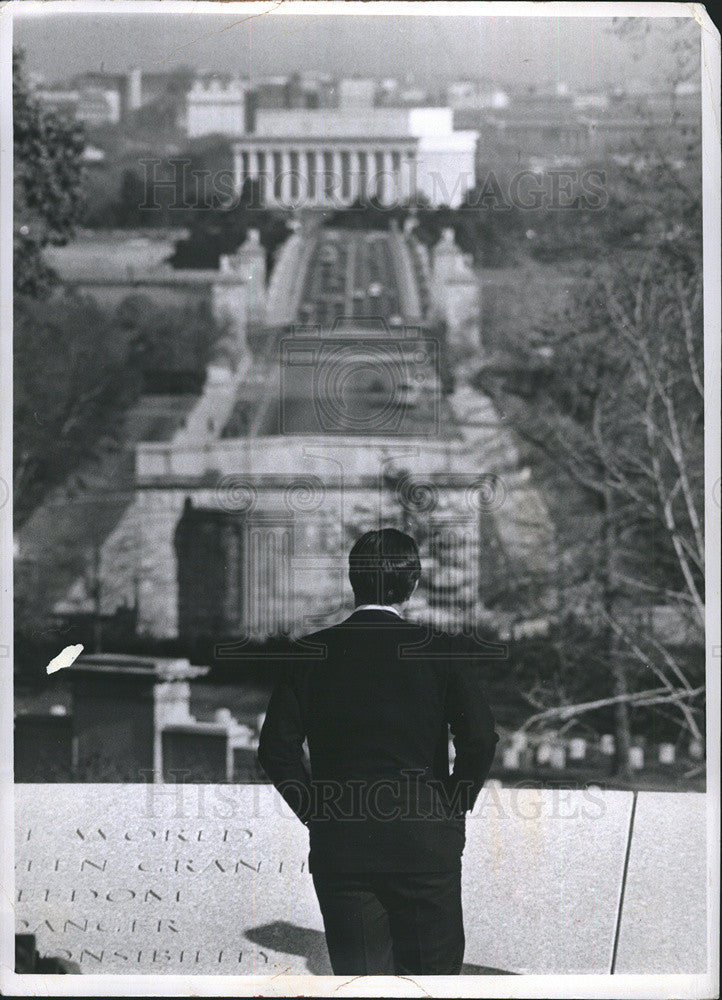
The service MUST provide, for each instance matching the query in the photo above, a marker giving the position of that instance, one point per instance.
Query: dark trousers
(385, 924)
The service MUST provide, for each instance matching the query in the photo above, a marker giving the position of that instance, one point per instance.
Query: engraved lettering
(93, 864)
(72, 923)
(97, 958)
(111, 898)
(214, 864)
(44, 923)
(245, 864)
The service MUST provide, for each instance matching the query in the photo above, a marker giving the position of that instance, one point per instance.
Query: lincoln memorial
(332, 157)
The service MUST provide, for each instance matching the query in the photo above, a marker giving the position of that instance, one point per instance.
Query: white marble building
(216, 106)
(331, 157)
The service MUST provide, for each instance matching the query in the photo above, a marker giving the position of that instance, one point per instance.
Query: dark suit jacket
(374, 697)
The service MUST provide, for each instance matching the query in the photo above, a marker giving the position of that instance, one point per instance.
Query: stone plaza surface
(210, 879)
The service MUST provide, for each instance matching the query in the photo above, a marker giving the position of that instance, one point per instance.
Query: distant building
(332, 157)
(412, 95)
(217, 105)
(388, 91)
(475, 94)
(528, 127)
(92, 156)
(60, 100)
(89, 104)
(552, 126)
(134, 92)
(97, 106)
(271, 92)
(591, 99)
(99, 98)
(354, 92)
(461, 91)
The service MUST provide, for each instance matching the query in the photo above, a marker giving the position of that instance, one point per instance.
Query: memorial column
(302, 179)
(378, 166)
(407, 180)
(315, 177)
(387, 187)
(355, 174)
(336, 178)
(253, 168)
(285, 186)
(269, 180)
(238, 169)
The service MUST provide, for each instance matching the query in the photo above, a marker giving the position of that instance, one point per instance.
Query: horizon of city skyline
(583, 53)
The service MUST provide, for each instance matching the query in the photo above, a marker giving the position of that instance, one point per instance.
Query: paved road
(350, 274)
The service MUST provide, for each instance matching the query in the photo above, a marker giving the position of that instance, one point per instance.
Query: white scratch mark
(65, 658)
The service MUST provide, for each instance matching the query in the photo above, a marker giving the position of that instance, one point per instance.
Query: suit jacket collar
(374, 615)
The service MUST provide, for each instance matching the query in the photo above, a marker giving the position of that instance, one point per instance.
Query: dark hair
(384, 566)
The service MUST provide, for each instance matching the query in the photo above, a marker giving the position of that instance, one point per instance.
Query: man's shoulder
(416, 640)
(352, 634)
(310, 646)
(456, 650)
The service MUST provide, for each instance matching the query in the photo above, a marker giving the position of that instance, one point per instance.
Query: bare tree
(617, 411)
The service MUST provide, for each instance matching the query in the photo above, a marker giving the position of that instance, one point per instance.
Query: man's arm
(475, 739)
(280, 748)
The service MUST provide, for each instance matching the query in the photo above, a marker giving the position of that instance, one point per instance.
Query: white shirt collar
(377, 607)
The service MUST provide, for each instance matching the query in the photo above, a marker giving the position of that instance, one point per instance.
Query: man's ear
(414, 590)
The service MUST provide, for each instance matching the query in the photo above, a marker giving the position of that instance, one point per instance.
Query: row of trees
(611, 402)
(77, 366)
(47, 184)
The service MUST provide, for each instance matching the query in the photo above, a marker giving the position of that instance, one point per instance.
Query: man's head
(384, 567)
